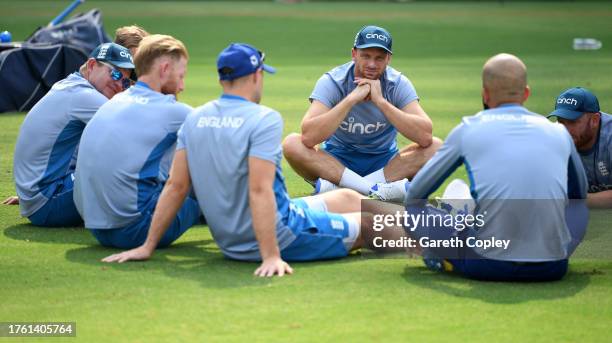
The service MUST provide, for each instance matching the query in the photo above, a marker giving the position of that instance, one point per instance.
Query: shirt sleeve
(405, 93)
(577, 183)
(86, 104)
(446, 160)
(180, 141)
(326, 91)
(265, 140)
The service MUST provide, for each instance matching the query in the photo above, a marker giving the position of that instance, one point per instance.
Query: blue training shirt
(219, 137)
(597, 161)
(365, 129)
(511, 153)
(49, 137)
(125, 156)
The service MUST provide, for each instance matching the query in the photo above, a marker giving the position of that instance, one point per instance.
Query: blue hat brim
(566, 114)
(373, 45)
(269, 69)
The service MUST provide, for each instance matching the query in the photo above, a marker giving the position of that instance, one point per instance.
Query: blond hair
(130, 36)
(154, 46)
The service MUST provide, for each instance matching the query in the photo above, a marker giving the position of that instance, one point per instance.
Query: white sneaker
(457, 198)
(322, 186)
(393, 191)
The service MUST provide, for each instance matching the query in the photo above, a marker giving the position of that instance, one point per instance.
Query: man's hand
(360, 93)
(137, 254)
(273, 265)
(376, 95)
(12, 200)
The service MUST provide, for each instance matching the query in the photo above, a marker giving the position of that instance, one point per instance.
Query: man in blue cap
(578, 110)
(355, 113)
(127, 149)
(47, 143)
(229, 151)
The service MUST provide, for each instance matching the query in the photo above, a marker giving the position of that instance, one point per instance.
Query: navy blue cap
(114, 54)
(373, 37)
(240, 59)
(574, 102)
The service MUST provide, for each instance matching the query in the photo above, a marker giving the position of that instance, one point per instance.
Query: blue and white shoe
(395, 191)
(433, 262)
(323, 186)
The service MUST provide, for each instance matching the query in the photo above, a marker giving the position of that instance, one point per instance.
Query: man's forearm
(263, 212)
(317, 129)
(414, 127)
(600, 199)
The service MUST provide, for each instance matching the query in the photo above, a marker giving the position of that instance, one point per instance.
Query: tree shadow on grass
(200, 261)
(31, 233)
(498, 292)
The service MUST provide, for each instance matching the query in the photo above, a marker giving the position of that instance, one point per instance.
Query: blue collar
(232, 97)
(510, 104)
(142, 84)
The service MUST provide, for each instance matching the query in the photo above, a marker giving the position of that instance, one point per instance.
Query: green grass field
(189, 292)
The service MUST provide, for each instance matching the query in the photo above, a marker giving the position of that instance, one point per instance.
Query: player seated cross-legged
(522, 170)
(229, 151)
(47, 145)
(127, 150)
(355, 113)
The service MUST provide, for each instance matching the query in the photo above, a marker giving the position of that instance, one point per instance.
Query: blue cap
(373, 37)
(574, 102)
(239, 59)
(114, 54)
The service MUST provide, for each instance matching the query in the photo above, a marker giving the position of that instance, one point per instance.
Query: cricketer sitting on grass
(127, 148)
(522, 169)
(229, 150)
(355, 113)
(578, 110)
(49, 136)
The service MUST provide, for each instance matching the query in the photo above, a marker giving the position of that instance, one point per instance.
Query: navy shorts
(135, 234)
(361, 163)
(60, 209)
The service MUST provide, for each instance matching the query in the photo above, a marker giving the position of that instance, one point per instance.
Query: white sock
(352, 180)
(377, 176)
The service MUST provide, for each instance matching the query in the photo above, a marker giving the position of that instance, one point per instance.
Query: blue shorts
(60, 209)
(466, 262)
(493, 270)
(361, 163)
(319, 235)
(135, 234)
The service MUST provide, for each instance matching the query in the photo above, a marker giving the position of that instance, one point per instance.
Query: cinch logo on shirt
(377, 36)
(567, 101)
(220, 122)
(360, 128)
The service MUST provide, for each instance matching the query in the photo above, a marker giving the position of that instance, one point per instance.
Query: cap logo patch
(567, 101)
(254, 61)
(103, 51)
(126, 55)
(377, 36)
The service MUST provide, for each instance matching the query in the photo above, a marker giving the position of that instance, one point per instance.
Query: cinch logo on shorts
(220, 122)
(337, 225)
(359, 128)
(377, 36)
(567, 101)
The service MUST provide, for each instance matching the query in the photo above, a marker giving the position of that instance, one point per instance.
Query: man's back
(49, 137)
(219, 137)
(126, 151)
(518, 165)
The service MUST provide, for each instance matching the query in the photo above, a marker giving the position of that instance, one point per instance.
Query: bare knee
(436, 143)
(293, 146)
(349, 196)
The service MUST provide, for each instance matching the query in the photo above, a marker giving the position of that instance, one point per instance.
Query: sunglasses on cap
(116, 75)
